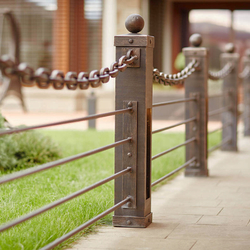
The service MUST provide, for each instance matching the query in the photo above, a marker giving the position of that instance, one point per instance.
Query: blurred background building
(77, 35)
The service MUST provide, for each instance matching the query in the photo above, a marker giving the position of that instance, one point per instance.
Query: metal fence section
(133, 120)
(130, 111)
(219, 111)
(186, 143)
(229, 99)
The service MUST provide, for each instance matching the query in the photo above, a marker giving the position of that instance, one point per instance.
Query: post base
(191, 172)
(131, 221)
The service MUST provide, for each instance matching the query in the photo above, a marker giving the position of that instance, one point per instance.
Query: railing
(46, 166)
(187, 142)
(219, 111)
(133, 120)
(44, 79)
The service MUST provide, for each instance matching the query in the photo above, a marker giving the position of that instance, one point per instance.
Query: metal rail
(171, 149)
(174, 102)
(219, 111)
(86, 224)
(219, 145)
(215, 130)
(175, 125)
(218, 129)
(63, 200)
(52, 164)
(174, 171)
(86, 118)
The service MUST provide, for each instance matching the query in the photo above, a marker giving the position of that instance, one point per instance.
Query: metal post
(246, 95)
(92, 109)
(134, 86)
(230, 89)
(196, 85)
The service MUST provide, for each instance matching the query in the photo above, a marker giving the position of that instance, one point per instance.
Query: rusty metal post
(230, 89)
(196, 85)
(92, 110)
(134, 88)
(246, 95)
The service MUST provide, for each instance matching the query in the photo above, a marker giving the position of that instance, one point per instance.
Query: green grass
(25, 195)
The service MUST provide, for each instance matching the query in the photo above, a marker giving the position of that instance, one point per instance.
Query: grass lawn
(27, 194)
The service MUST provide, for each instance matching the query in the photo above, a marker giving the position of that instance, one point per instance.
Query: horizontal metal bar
(86, 224)
(218, 129)
(175, 125)
(52, 164)
(218, 111)
(63, 200)
(219, 145)
(174, 171)
(171, 149)
(216, 96)
(174, 102)
(86, 118)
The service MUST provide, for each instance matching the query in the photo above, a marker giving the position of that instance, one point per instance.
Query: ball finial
(134, 23)
(229, 48)
(195, 40)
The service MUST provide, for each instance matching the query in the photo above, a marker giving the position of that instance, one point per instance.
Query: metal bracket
(196, 112)
(137, 52)
(129, 153)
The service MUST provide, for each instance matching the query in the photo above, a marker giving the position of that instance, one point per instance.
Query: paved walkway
(192, 213)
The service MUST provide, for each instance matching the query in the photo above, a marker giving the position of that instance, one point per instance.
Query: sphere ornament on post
(195, 40)
(134, 23)
(229, 48)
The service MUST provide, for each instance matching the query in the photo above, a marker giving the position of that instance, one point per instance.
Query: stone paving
(192, 213)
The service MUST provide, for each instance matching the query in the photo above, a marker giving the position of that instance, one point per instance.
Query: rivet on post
(130, 104)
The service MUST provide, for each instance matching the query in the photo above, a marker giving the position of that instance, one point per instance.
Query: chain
(44, 78)
(226, 70)
(179, 78)
(245, 73)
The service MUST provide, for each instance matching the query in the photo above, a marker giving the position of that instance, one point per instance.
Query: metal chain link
(245, 73)
(227, 69)
(179, 78)
(44, 78)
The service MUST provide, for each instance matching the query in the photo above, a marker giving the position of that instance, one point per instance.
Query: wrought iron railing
(46, 166)
(133, 120)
